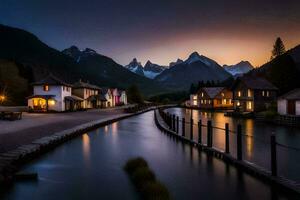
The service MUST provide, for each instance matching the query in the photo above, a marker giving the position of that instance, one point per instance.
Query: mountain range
(150, 70)
(239, 68)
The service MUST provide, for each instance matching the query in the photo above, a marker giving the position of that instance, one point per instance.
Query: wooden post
(177, 125)
(209, 133)
(183, 127)
(226, 138)
(173, 124)
(200, 132)
(273, 155)
(239, 143)
(191, 129)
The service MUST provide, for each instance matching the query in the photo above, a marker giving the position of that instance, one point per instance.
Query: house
(88, 92)
(123, 97)
(52, 94)
(106, 92)
(212, 98)
(289, 103)
(253, 94)
(116, 96)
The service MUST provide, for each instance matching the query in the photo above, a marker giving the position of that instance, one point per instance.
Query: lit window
(249, 92)
(268, 94)
(201, 101)
(51, 102)
(204, 101)
(239, 93)
(46, 87)
(224, 101)
(222, 94)
(238, 103)
(263, 93)
(208, 101)
(249, 105)
(202, 94)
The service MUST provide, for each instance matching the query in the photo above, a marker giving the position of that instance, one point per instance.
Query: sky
(227, 31)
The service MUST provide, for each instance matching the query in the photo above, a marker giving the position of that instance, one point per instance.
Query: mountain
(239, 68)
(135, 67)
(283, 71)
(150, 70)
(35, 60)
(179, 61)
(194, 69)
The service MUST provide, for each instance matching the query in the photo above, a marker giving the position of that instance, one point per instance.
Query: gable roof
(51, 80)
(212, 91)
(256, 83)
(292, 95)
(81, 84)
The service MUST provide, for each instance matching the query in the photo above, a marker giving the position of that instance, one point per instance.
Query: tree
(134, 95)
(278, 48)
(193, 88)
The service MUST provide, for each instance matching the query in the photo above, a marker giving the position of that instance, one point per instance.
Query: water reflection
(256, 139)
(86, 147)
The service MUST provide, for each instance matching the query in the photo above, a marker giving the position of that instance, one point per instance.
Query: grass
(145, 180)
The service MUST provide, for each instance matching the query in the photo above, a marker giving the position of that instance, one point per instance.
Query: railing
(233, 141)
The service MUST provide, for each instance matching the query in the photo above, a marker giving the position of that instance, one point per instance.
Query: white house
(123, 97)
(289, 103)
(52, 94)
(107, 94)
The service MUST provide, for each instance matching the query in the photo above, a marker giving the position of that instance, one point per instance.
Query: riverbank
(11, 160)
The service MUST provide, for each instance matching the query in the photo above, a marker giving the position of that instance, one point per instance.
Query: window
(201, 101)
(202, 95)
(239, 93)
(238, 103)
(249, 105)
(249, 92)
(263, 93)
(208, 101)
(224, 101)
(268, 94)
(222, 94)
(46, 88)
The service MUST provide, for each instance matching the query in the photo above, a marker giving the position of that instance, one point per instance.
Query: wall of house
(298, 107)
(282, 106)
(123, 98)
(85, 93)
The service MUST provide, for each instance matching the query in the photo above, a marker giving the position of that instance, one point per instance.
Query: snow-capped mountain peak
(194, 57)
(135, 67)
(239, 68)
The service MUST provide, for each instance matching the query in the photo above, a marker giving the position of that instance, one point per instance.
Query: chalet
(212, 98)
(116, 96)
(289, 103)
(88, 92)
(252, 94)
(52, 94)
(106, 92)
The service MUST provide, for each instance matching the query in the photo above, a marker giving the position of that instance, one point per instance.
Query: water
(90, 167)
(256, 145)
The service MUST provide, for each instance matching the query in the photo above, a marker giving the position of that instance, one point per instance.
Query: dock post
(173, 124)
(191, 129)
(200, 132)
(273, 155)
(239, 143)
(183, 127)
(209, 133)
(226, 138)
(177, 125)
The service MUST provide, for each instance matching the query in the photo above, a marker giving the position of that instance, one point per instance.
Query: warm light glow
(51, 102)
(238, 103)
(249, 105)
(2, 98)
(86, 147)
(239, 93)
(46, 88)
(249, 93)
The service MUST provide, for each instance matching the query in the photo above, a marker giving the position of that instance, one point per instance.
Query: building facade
(52, 94)
(212, 98)
(253, 94)
(289, 103)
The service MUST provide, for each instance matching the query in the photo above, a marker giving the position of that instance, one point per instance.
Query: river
(90, 167)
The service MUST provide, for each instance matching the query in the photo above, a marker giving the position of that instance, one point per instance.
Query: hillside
(39, 59)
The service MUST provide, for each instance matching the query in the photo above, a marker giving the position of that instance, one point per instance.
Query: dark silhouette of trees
(134, 95)
(278, 48)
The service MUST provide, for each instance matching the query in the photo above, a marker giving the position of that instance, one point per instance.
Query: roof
(73, 98)
(254, 82)
(104, 90)
(292, 95)
(41, 96)
(51, 80)
(212, 91)
(81, 84)
(100, 97)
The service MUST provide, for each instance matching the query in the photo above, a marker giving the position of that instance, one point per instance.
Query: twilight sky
(160, 30)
